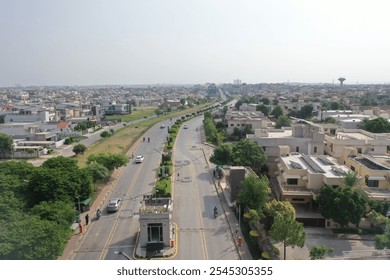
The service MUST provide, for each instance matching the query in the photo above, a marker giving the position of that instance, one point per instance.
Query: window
(291, 181)
(298, 199)
(315, 149)
(371, 183)
(155, 232)
(297, 149)
(359, 150)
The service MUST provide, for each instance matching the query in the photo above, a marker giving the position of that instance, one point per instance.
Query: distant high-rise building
(237, 82)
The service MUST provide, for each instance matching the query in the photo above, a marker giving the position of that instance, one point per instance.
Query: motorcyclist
(148, 139)
(215, 211)
(98, 214)
(143, 139)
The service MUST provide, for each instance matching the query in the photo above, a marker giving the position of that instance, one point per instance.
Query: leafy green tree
(262, 108)
(318, 252)
(159, 112)
(105, 134)
(12, 199)
(265, 101)
(21, 169)
(377, 219)
(30, 238)
(210, 128)
(248, 153)
(108, 160)
(378, 125)
(254, 192)
(351, 179)
(277, 112)
(305, 112)
(6, 144)
(382, 241)
(282, 121)
(222, 155)
(343, 205)
(330, 120)
(59, 178)
(79, 149)
(59, 212)
(287, 230)
(276, 207)
(98, 171)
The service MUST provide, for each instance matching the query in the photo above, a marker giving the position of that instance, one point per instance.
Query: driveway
(344, 246)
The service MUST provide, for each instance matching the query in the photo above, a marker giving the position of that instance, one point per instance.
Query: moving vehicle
(162, 125)
(114, 204)
(139, 159)
(185, 126)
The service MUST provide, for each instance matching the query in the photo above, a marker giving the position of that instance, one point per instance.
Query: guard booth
(155, 224)
(84, 205)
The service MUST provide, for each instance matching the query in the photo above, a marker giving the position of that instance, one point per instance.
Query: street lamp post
(78, 201)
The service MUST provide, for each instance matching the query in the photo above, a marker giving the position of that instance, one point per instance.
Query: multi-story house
(242, 119)
(303, 137)
(374, 172)
(363, 141)
(300, 177)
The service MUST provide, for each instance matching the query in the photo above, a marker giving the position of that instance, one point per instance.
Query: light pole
(78, 201)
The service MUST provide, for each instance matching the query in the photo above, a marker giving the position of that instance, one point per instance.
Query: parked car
(114, 204)
(139, 159)
(185, 126)
(162, 125)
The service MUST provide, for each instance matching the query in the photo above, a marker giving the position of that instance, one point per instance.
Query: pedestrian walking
(86, 219)
(178, 176)
(214, 173)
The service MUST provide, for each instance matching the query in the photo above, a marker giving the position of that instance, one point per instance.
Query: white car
(139, 159)
(162, 125)
(114, 204)
(185, 126)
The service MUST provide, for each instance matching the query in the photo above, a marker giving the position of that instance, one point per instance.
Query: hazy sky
(96, 42)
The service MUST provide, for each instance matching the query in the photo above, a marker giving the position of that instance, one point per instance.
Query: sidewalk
(75, 240)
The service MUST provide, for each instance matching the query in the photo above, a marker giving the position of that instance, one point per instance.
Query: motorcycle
(98, 214)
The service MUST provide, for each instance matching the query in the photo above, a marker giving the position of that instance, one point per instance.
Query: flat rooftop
(279, 134)
(353, 135)
(315, 164)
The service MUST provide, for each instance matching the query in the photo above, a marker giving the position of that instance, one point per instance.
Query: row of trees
(255, 193)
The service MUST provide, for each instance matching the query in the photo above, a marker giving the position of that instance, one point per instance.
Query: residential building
(362, 141)
(241, 120)
(374, 171)
(300, 177)
(303, 137)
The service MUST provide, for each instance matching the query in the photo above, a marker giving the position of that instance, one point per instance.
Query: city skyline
(60, 43)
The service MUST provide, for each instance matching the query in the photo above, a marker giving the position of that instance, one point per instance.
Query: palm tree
(351, 179)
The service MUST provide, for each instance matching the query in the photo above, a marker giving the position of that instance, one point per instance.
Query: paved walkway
(74, 242)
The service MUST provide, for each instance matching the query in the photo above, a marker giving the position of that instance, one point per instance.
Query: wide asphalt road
(116, 232)
(200, 235)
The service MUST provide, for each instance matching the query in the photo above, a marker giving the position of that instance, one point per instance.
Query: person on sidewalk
(86, 219)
